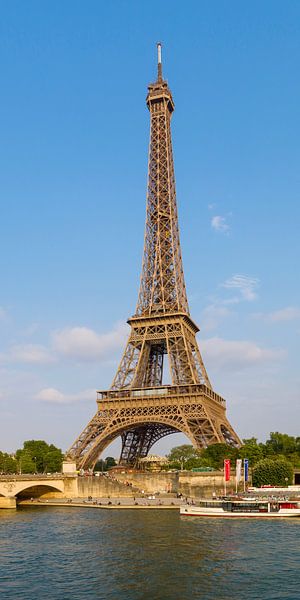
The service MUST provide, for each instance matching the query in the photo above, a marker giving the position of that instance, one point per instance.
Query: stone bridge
(57, 485)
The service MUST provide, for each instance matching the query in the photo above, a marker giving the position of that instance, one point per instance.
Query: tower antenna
(159, 65)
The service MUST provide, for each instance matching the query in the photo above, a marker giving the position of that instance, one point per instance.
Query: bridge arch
(39, 490)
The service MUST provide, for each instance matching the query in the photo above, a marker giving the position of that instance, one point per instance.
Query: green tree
(213, 456)
(273, 471)
(8, 463)
(100, 465)
(38, 456)
(52, 460)
(181, 456)
(26, 463)
(110, 462)
(281, 443)
(294, 459)
(105, 465)
(252, 450)
(193, 463)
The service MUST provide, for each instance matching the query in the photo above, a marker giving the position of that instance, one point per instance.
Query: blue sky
(73, 155)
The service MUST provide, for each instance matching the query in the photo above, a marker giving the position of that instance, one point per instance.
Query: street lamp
(34, 458)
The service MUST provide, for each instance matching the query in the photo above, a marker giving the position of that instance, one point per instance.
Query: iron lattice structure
(138, 406)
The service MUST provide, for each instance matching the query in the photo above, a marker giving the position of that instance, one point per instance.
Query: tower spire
(159, 64)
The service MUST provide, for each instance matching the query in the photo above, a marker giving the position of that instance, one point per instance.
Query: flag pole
(246, 467)
(238, 473)
(226, 474)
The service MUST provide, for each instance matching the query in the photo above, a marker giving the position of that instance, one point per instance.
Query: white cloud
(79, 343)
(212, 315)
(30, 330)
(85, 344)
(54, 396)
(244, 284)
(28, 353)
(290, 313)
(235, 355)
(221, 308)
(219, 224)
(3, 313)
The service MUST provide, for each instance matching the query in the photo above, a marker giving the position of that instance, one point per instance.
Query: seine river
(79, 554)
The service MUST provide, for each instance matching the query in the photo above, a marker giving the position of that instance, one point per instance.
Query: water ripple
(73, 554)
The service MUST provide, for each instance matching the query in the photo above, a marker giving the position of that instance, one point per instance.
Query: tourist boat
(242, 508)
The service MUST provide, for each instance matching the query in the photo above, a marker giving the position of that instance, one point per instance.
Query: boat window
(213, 504)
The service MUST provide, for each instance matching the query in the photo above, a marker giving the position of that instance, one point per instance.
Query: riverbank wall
(187, 483)
(104, 487)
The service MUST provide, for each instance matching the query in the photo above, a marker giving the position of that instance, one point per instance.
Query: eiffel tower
(138, 407)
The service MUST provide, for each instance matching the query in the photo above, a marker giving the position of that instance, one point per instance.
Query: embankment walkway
(107, 503)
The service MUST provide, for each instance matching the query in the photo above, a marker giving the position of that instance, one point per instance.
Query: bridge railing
(34, 476)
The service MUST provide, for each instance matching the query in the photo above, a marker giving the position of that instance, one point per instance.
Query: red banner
(227, 469)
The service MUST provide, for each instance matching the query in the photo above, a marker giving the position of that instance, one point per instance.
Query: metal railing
(165, 390)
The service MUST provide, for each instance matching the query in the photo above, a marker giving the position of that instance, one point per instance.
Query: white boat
(231, 508)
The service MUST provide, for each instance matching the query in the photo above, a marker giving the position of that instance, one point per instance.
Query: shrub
(272, 471)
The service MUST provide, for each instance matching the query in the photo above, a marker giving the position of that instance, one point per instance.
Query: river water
(93, 554)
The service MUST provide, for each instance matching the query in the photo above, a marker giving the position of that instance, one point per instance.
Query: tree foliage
(181, 455)
(252, 450)
(278, 445)
(8, 463)
(281, 443)
(37, 456)
(214, 455)
(273, 471)
(106, 464)
(185, 457)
